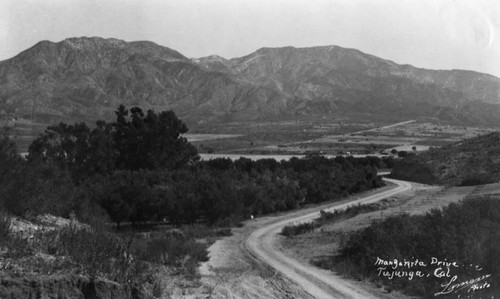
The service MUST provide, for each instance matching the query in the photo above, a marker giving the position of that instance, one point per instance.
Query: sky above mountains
(436, 34)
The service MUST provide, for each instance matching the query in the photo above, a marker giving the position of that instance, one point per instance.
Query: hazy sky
(437, 34)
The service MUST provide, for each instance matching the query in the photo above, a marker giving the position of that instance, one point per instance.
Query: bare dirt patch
(231, 271)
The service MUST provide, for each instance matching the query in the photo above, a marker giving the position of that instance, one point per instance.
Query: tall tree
(151, 140)
(134, 141)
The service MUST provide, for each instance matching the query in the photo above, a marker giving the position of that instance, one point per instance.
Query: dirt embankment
(45, 276)
(62, 286)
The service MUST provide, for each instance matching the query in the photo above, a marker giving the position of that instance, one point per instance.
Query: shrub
(223, 232)
(325, 217)
(34, 189)
(476, 179)
(97, 251)
(4, 227)
(173, 251)
(402, 154)
(18, 247)
(293, 230)
(411, 170)
(201, 231)
(351, 211)
(93, 248)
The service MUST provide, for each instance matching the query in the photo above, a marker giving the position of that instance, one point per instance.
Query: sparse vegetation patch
(464, 234)
(328, 217)
(474, 161)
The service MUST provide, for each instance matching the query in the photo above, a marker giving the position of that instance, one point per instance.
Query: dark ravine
(86, 78)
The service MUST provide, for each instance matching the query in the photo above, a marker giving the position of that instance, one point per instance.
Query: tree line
(140, 168)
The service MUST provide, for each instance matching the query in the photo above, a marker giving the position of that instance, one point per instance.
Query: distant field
(254, 157)
(205, 137)
(233, 157)
(297, 137)
(23, 131)
(333, 137)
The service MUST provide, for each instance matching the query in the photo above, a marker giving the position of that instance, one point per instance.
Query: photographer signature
(474, 284)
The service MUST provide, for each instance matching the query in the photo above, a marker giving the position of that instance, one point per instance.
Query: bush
(388, 162)
(16, 245)
(410, 170)
(476, 179)
(293, 230)
(98, 252)
(31, 190)
(325, 217)
(353, 210)
(125, 196)
(4, 227)
(90, 250)
(175, 251)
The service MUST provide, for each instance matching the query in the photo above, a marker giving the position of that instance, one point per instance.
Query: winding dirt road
(263, 245)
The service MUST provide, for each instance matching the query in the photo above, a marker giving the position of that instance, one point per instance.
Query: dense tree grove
(140, 168)
(221, 189)
(134, 141)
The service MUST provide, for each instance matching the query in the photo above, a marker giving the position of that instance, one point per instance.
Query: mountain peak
(102, 47)
(89, 75)
(211, 58)
(86, 42)
(269, 49)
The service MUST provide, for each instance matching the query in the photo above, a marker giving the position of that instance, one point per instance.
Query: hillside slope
(86, 78)
(90, 77)
(470, 162)
(333, 78)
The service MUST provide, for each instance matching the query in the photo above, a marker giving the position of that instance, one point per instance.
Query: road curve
(262, 243)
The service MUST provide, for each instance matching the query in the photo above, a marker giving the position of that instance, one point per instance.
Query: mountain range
(87, 78)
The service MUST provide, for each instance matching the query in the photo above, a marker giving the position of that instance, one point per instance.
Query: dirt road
(262, 243)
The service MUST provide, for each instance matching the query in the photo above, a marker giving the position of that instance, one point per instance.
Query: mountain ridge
(87, 77)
